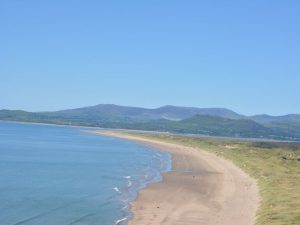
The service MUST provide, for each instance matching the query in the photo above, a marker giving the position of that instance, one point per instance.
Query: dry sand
(201, 189)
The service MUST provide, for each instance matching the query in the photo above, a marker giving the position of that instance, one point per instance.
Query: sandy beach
(201, 189)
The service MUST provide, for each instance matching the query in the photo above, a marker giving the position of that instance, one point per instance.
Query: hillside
(116, 113)
(218, 126)
(288, 123)
(124, 113)
(207, 121)
(270, 119)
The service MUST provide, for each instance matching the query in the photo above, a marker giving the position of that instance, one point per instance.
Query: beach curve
(202, 188)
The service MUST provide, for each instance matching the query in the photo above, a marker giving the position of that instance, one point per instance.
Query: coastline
(133, 131)
(136, 186)
(201, 189)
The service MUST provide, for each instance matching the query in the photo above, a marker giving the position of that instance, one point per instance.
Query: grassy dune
(276, 166)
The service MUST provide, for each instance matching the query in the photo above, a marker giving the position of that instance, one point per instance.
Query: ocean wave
(117, 190)
(119, 222)
(129, 183)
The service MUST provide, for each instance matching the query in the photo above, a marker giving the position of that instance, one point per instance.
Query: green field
(276, 167)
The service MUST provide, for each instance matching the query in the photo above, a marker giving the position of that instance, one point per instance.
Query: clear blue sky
(242, 55)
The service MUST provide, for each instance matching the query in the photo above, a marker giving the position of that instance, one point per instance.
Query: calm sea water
(51, 175)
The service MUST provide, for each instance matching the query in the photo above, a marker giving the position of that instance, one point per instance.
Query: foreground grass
(275, 166)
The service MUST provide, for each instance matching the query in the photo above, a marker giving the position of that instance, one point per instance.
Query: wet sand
(201, 189)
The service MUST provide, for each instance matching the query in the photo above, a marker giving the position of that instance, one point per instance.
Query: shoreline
(201, 189)
(153, 132)
(158, 177)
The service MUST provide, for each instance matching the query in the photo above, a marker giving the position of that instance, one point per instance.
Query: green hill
(190, 120)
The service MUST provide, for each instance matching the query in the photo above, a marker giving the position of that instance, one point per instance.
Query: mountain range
(192, 120)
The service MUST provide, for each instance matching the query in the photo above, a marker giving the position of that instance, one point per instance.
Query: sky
(241, 55)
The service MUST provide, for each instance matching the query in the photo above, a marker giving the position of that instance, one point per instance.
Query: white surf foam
(121, 220)
(117, 190)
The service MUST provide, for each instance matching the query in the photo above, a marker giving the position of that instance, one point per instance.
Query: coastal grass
(275, 166)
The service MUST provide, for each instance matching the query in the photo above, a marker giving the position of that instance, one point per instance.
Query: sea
(60, 175)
